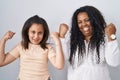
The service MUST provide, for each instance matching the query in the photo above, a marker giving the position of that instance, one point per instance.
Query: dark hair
(34, 20)
(77, 38)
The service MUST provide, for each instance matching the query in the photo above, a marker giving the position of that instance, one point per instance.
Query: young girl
(33, 50)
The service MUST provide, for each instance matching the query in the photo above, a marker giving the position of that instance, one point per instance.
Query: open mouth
(86, 29)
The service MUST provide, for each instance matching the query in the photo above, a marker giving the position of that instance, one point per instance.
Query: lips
(35, 40)
(86, 29)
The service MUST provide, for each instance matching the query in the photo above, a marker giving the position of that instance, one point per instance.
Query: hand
(55, 37)
(63, 30)
(110, 29)
(8, 35)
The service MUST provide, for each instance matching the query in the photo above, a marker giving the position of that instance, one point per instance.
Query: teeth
(85, 29)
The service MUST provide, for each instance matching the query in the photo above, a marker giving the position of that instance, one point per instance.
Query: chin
(35, 43)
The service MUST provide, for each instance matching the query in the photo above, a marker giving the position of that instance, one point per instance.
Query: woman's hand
(110, 30)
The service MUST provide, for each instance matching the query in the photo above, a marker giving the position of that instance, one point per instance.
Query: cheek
(80, 28)
(79, 25)
(91, 29)
(41, 37)
(29, 35)
(82, 31)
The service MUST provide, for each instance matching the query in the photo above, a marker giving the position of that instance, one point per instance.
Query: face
(36, 33)
(84, 24)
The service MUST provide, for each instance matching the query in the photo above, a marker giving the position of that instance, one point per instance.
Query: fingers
(55, 34)
(63, 25)
(111, 25)
(63, 30)
(110, 29)
(9, 35)
(55, 37)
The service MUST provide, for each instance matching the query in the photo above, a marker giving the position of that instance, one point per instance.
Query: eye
(33, 32)
(40, 33)
(79, 22)
(87, 20)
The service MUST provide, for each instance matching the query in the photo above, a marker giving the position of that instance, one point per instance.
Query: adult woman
(91, 46)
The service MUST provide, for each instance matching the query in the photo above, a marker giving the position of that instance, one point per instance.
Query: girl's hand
(55, 37)
(8, 35)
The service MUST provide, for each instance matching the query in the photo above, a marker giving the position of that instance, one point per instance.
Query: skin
(86, 28)
(5, 58)
(63, 30)
(84, 25)
(35, 34)
(109, 30)
(58, 60)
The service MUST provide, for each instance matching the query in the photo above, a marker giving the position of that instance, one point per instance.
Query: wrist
(111, 37)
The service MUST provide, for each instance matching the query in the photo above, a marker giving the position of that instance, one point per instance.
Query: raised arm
(112, 50)
(58, 60)
(65, 39)
(5, 58)
(109, 31)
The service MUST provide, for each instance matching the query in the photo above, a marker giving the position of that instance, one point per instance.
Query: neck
(87, 38)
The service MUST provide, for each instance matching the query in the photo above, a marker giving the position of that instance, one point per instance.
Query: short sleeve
(15, 51)
(51, 51)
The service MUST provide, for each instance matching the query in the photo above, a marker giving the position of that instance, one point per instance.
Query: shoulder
(18, 46)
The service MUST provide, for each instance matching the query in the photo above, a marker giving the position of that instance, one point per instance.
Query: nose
(83, 23)
(36, 36)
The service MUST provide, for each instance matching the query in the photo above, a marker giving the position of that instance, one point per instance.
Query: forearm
(2, 51)
(59, 56)
(112, 53)
(5, 58)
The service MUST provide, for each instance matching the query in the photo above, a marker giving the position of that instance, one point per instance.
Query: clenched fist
(109, 30)
(8, 35)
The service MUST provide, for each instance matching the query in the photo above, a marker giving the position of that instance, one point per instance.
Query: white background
(13, 14)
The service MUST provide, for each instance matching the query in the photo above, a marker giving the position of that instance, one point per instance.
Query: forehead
(37, 27)
(82, 15)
